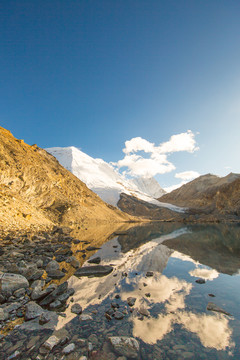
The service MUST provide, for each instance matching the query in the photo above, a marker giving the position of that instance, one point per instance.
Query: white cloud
(187, 175)
(139, 166)
(157, 162)
(180, 142)
(138, 144)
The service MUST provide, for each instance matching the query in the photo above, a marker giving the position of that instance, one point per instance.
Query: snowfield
(105, 181)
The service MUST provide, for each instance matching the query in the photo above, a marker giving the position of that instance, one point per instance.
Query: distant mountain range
(210, 194)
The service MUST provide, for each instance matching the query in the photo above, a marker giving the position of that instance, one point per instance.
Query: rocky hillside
(209, 193)
(136, 207)
(35, 190)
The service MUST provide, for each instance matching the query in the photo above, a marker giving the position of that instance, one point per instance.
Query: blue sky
(95, 74)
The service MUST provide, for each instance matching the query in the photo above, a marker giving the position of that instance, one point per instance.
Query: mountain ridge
(210, 193)
(102, 178)
(35, 190)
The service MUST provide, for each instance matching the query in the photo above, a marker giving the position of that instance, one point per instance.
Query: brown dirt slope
(210, 193)
(35, 190)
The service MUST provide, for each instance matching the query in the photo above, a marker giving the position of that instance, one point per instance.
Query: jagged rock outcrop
(143, 209)
(210, 194)
(35, 190)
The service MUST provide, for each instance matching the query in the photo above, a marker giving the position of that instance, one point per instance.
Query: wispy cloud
(156, 161)
(187, 175)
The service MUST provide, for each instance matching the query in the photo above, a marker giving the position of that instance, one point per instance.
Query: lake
(172, 316)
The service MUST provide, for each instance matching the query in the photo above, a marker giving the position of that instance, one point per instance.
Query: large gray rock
(3, 315)
(33, 311)
(97, 270)
(35, 325)
(12, 282)
(32, 272)
(52, 265)
(56, 274)
(125, 346)
(61, 289)
(38, 293)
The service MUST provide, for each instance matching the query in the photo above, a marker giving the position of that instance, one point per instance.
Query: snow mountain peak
(103, 179)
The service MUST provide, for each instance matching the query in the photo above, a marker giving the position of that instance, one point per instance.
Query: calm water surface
(179, 326)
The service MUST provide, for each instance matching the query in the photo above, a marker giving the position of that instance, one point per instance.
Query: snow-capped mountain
(149, 185)
(104, 180)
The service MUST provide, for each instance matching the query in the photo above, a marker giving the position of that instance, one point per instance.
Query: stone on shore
(12, 282)
(68, 349)
(51, 342)
(33, 311)
(95, 260)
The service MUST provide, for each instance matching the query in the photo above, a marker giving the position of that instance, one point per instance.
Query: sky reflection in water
(176, 300)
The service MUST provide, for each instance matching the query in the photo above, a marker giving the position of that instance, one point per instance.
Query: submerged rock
(213, 307)
(200, 281)
(118, 315)
(98, 270)
(76, 309)
(131, 300)
(149, 273)
(125, 346)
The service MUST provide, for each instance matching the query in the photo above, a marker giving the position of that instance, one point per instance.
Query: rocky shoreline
(34, 295)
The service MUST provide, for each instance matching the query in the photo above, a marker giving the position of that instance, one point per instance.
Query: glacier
(105, 181)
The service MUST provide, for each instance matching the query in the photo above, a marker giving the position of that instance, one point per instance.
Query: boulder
(12, 282)
(33, 311)
(61, 289)
(56, 274)
(52, 265)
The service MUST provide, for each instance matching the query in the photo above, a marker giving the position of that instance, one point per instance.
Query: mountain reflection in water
(209, 250)
(179, 325)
